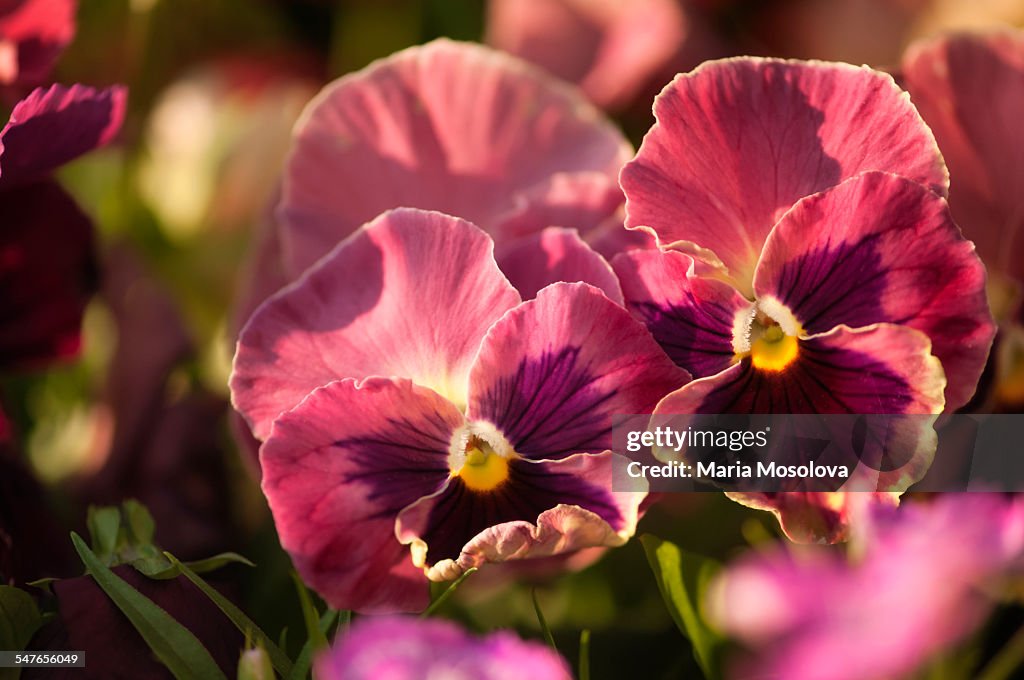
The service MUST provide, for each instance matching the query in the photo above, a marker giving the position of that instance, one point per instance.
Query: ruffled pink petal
(339, 468)
(739, 141)
(33, 34)
(47, 274)
(55, 125)
(693, 318)
(412, 295)
(545, 508)
(970, 90)
(610, 48)
(447, 126)
(554, 255)
(880, 248)
(815, 517)
(552, 372)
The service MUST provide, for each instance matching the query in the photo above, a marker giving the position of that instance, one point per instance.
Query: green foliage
(682, 579)
(19, 620)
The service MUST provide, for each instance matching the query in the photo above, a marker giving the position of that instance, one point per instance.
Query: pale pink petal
(446, 126)
(580, 200)
(970, 90)
(739, 141)
(610, 48)
(339, 468)
(554, 255)
(411, 295)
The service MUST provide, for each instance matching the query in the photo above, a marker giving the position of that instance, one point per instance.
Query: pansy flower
(411, 403)
(809, 264)
(970, 90)
(901, 598)
(610, 48)
(44, 288)
(409, 649)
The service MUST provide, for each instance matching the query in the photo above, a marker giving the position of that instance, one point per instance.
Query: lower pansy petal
(337, 471)
(882, 249)
(814, 517)
(693, 318)
(552, 372)
(44, 288)
(543, 508)
(882, 369)
(411, 294)
(554, 255)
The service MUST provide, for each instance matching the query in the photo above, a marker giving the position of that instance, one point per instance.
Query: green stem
(447, 593)
(585, 655)
(542, 621)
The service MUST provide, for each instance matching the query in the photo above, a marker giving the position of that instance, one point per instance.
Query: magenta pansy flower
(419, 419)
(33, 34)
(453, 127)
(610, 48)
(410, 649)
(809, 263)
(45, 289)
(902, 597)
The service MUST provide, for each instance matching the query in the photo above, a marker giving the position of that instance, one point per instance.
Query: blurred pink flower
(44, 288)
(920, 578)
(33, 34)
(610, 48)
(409, 649)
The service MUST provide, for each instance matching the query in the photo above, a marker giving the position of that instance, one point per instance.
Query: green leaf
(104, 524)
(682, 579)
(449, 591)
(542, 621)
(139, 521)
(19, 620)
(305, 659)
(248, 628)
(310, 615)
(169, 570)
(173, 644)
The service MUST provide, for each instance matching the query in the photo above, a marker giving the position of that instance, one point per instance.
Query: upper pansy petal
(584, 201)
(881, 369)
(338, 469)
(738, 141)
(552, 372)
(448, 126)
(609, 47)
(970, 90)
(412, 295)
(693, 318)
(44, 288)
(880, 248)
(544, 508)
(33, 33)
(57, 124)
(554, 255)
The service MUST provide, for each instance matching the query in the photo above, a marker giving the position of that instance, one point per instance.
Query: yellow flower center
(479, 455)
(773, 350)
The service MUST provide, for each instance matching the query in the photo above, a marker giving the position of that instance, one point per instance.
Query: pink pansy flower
(921, 578)
(453, 127)
(970, 90)
(44, 288)
(610, 48)
(411, 649)
(410, 401)
(33, 34)
(799, 274)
